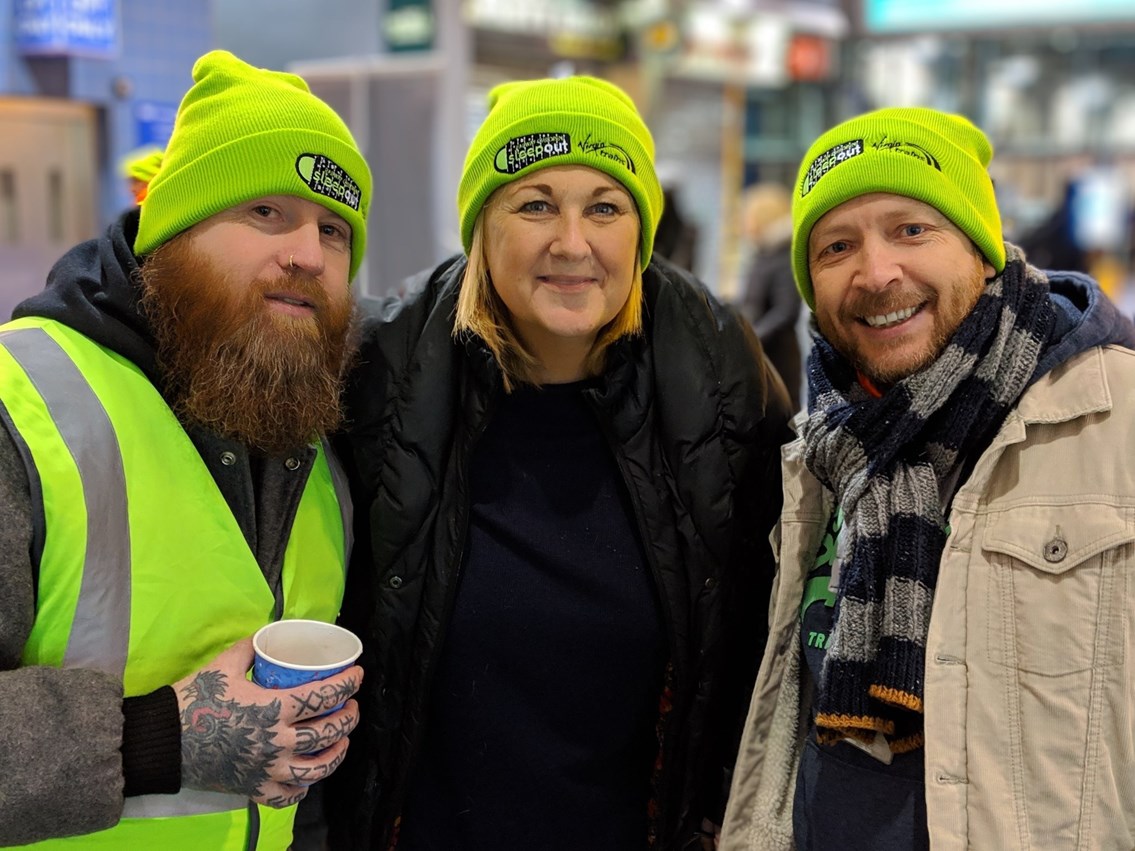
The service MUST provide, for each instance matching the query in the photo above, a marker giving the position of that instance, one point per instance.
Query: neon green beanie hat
(931, 156)
(535, 124)
(243, 133)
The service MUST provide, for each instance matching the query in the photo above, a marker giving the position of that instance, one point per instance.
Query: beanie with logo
(934, 157)
(243, 133)
(537, 124)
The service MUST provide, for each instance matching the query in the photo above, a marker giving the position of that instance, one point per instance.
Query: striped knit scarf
(885, 459)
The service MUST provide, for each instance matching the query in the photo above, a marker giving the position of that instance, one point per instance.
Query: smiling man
(167, 490)
(952, 645)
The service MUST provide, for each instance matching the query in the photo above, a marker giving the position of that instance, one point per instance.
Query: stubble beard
(237, 368)
(882, 368)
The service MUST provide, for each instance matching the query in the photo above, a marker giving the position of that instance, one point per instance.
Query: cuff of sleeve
(151, 744)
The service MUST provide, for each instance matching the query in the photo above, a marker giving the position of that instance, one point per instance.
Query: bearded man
(167, 489)
(951, 657)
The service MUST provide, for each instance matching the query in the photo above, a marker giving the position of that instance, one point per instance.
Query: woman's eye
(605, 208)
(534, 207)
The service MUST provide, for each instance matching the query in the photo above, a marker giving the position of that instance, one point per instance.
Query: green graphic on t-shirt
(818, 586)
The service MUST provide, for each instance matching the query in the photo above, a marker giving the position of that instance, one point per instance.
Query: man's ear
(990, 272)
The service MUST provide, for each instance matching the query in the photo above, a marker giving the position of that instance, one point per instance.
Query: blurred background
(734, 91)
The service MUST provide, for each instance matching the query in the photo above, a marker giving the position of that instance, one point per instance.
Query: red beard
(231, 364)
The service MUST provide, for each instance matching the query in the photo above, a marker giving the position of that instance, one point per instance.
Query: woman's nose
(571, 237)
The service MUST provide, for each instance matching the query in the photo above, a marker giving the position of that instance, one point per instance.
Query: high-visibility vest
(144, 573)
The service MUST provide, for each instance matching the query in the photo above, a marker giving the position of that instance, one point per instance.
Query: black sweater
(693, 416)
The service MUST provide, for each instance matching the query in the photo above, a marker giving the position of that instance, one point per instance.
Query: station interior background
(734, 91)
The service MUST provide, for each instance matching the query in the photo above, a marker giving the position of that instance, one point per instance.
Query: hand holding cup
(268, 744)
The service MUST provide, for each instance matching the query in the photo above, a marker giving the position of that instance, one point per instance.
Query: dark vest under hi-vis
(144, 572)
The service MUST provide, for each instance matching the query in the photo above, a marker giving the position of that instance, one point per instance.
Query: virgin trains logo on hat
(326, 177)
(908, 148)
(609, 150)
(828, 160)
(523, 151)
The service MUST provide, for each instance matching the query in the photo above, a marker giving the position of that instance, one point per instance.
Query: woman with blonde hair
(770, 300)
(565, 462)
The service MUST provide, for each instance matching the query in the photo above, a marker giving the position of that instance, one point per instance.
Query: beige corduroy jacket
(1030, 661)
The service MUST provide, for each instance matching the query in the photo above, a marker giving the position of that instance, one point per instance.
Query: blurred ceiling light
(1017, 72)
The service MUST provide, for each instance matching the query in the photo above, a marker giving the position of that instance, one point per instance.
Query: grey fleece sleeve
(60, 730)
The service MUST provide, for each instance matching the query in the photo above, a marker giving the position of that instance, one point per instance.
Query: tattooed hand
(267, 744)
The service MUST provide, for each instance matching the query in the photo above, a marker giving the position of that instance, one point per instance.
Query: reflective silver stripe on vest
(343, 494)
(100, 634)
(187, 802)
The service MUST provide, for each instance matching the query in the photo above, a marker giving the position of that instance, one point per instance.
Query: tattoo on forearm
(226, 746)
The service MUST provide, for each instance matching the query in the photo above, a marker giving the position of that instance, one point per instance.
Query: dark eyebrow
(542, 188)
(545, 189)
(603, 190)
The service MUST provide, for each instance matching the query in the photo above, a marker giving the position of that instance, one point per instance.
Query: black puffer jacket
(695, 417)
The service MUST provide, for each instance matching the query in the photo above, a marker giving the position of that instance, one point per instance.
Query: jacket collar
(1058, 397)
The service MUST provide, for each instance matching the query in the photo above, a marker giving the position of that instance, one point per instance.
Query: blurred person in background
(951, 658)
(677, 236)
(566, 457)
(1052, 243)
(139, 167)
(166, 491)
(769, 298)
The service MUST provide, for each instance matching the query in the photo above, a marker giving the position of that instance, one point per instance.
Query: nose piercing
(292, 261)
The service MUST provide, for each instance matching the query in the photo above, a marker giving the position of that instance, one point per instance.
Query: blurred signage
(578, 18)
(767, 49)
(809, 58)
(904, 16)
(408, 25)
(660, 38)
(67, 27)
(153, 122)
(574, 45)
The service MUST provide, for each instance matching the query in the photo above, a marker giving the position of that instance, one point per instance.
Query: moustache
(296, 284)
(890, 301)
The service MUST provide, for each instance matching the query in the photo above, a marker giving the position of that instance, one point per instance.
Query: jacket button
(292, 464)
(1055, 550)
(228, 458)
(395, 582)
(710, 584)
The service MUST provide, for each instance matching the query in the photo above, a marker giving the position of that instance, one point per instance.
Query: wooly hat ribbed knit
(536, 124)
(243, 133)
(931, 156)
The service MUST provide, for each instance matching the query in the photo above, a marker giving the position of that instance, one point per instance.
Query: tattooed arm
(267, 744)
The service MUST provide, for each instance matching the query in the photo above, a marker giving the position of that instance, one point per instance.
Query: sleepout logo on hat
(934, 157)
(535, 124)
(326, 177)
(523, 151)
(243, 133)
